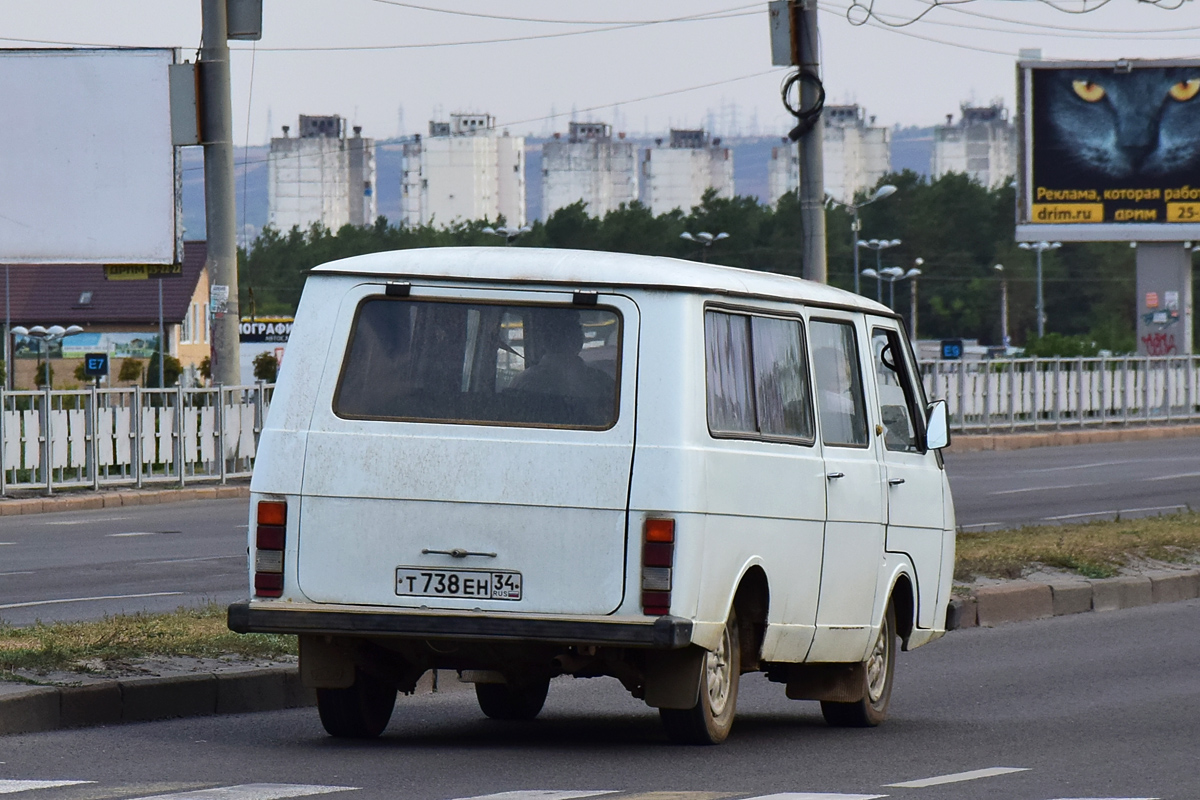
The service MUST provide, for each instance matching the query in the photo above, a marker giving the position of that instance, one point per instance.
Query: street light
(46, 336)
(878, 245)
(887, 190)
(510, 234)
(893, 274)
(1003, 305)
(1039, 248)
(912, 300)
(705, 240)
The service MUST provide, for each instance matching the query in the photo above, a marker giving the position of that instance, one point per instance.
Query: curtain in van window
(781, 378)
(839, 384)
(727, 359)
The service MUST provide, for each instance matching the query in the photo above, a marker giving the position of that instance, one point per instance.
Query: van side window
(839, 384)
(897, 400)
(481, 364)
(758, 381)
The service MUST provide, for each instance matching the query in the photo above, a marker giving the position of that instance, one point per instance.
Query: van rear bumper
(662, 633)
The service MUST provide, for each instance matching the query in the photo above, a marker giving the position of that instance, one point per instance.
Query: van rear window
(477, 363)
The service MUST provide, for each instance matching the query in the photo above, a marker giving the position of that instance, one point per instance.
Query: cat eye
(1186, 90)
(1092, 92)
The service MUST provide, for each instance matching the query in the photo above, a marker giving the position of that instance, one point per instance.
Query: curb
(1020, 601)
(126, 497)
(975, 442)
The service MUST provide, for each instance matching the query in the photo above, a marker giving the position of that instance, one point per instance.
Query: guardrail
(1050, 393)
(102, 438)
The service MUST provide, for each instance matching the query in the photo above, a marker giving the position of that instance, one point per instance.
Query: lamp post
(893, 274)
(1039, 248)
(705, 240)
(886, 190)
(1003, 305)
(47, 337)
(912, 300)
(510, 234)
(878, 245)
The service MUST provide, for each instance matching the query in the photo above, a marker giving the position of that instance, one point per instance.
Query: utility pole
(219, 192)
(812, 170)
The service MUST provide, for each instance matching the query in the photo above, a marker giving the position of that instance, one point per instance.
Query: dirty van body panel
(499, 513)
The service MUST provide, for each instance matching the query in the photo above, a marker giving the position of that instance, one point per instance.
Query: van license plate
(474, 583)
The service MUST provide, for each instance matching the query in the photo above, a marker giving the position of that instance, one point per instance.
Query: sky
(420, 61)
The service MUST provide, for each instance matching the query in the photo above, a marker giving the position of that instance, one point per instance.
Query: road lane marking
(200, 558)
(10, 786)
(816, 796)
(1107, 798)
(1173, 477)
(89, 599)
(7, 542)
(140, 533)
(1119, 511)
(253, 791)
(540, 794)
(678, 795)
(1049, 488)
(956, 777)
(88, 521)
(6, 574)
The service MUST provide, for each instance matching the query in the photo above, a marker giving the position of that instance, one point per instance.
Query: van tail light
(658, 557)
(270, 535)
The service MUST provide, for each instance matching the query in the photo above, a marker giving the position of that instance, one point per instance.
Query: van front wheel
(360, 711)
(877, 695)
(501, 701)
(710, 720)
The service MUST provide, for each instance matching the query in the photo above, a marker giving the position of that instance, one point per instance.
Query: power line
(508, 18)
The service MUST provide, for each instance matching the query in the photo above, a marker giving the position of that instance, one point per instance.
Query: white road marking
(1107, 798)
(982, 525)
(89, 599)
(957, 777)
(6, 543)
(816, 796)
(190, 560)
(1173, 477)
(88, 521)
(539, 794)
(1118, 511)
(1047, 488)
(253, 791)
(6, 574)
(9, 787)
(133, 533)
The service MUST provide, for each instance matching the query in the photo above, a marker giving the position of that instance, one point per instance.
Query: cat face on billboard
(1139, 124)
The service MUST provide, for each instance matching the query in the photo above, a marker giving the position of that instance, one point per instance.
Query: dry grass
(1091, 549)
(91, 646)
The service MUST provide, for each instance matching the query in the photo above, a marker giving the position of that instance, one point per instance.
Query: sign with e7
(95, 365)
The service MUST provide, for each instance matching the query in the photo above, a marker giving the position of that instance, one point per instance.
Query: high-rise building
(321, 176)
(678, 175)
(855, 156)
(983, 145)
(464, 170)
(589, 166)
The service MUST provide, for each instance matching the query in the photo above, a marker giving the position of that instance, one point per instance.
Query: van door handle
(833, 475)
(457, 552)
(895, 481)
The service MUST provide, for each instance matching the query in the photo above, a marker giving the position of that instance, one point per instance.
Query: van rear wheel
(502, 701)
(880, 672)
(710, 720)
(360, 711)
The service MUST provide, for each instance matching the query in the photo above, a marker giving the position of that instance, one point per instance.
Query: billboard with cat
(1110, 151)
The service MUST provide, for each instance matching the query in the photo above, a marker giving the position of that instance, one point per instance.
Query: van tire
(501, 701)
(360, 711)
(880, 674)
(711, 719)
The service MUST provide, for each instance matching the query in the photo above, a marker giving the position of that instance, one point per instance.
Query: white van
(520, 463)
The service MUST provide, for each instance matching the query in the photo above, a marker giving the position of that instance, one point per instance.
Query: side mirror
(937, 426)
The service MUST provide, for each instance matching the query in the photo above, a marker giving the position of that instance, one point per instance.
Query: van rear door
(472, 449)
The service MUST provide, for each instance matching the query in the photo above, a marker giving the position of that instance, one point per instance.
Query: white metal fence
(1050, 393)
(101, 438)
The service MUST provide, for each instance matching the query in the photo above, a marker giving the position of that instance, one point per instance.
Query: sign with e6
(1110, 147)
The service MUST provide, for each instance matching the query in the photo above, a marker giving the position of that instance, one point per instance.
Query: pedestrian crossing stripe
(253, 791)
(10, 787)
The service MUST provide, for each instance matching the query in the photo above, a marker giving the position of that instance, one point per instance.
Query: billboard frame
(1027, 231)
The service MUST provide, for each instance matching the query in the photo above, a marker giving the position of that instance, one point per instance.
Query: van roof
(591, 268)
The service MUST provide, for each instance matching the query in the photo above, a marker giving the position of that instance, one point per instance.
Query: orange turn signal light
(660, 530)
(272, 512)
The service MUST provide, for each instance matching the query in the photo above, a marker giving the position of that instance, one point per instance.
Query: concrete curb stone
(1013, 602)
(35, 709)
(85, 706)
(162, 698)
(962, 613)
(115, 499)
(1112, 594)
(1071, 597)
(969, 443)
(1174, 587)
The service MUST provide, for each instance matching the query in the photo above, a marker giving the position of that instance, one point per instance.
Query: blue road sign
(95, 365)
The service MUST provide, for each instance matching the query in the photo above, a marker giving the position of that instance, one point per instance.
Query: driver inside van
(560, 370)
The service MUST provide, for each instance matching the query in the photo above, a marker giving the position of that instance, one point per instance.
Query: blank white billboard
(88, 173)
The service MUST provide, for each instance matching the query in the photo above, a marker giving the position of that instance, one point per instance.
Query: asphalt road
(84, 564)
(1065, 484)
(1093, 706)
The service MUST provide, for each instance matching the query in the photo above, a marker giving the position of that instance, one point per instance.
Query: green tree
(131, 370)
(172, 369)
(44, 372)
(266, 367)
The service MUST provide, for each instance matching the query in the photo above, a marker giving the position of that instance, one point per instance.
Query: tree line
(959, 229)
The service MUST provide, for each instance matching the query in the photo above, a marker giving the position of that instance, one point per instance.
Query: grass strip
(98, 645)
(1091, 549)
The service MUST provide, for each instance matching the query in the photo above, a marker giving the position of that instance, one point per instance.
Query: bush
(172, 369)
(131, 370)
(44, 370)
(206, 368)
(266, 367)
